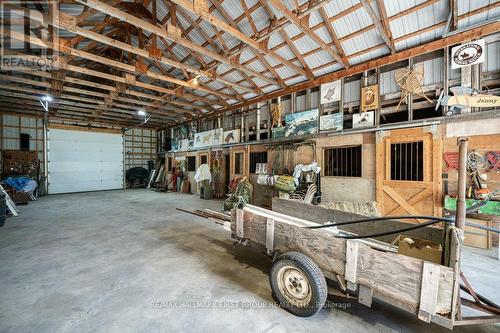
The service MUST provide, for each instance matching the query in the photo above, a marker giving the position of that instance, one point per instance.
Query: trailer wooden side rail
(368, 268)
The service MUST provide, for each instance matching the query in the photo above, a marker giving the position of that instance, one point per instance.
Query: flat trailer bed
(367, 268)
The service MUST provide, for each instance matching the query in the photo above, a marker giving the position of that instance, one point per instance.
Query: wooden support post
(342, 98)
(247, 127)
(269, 119)
(308, 99)
(257, 125)
(410, 96)
(446, 76)
(462, 183)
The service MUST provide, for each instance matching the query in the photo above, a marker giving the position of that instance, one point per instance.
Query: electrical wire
(433, 220)
(380, 234)
(373, 219)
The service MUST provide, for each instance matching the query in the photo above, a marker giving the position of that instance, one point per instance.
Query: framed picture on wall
(369, 98)
(365, 119)
(330, 92)
(301, 123)
(231, 136)
(331, 122)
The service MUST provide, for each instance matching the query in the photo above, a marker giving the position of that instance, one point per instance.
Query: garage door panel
(84, 161)
(73, 167)
(82, 186)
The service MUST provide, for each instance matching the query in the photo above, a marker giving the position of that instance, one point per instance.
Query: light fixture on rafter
(44, 100)
(195, 80)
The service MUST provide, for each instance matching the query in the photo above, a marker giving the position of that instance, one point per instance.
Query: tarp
(23, 184)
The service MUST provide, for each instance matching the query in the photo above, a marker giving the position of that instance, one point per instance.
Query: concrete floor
(115, 261)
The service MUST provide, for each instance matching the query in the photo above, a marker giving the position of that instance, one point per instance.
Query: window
(191, 163)
(203, 159)
(25, 141)
(407, 161)
(257, 158)
(238, 163)
(343, 161)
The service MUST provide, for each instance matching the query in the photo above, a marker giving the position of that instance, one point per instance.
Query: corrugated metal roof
(352, 22)
(485, 15)
(369, 55)
(326, 70)
(318, 59)
(362, 42)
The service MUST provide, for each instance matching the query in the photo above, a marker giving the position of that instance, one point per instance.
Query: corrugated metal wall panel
(492, 57)
(301, 103)
(352, 91)
(387, 83)
(140, 147)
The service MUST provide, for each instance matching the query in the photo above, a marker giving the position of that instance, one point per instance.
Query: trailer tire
(298, 284)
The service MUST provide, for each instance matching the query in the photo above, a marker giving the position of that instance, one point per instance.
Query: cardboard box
(420, 248)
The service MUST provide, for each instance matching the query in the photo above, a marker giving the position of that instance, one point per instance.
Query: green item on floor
(491, 207)
(242, 193)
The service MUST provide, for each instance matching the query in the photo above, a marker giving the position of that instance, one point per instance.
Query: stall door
(408, 165)
(82, 161)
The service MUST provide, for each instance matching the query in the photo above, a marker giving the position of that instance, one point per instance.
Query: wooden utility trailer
(367, 268)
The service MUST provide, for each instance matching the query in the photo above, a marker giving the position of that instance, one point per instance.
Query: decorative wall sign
(365, 119)
(467, 54)
(331, 122)
(330, 92)
(208, 138)
(369, 98)
(218, 136)
(465, 97)
(231, 136)
(410, 81)
(302, 123)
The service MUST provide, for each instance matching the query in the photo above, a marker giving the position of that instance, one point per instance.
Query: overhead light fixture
(141, 113)
(195, 80)
(44, 100)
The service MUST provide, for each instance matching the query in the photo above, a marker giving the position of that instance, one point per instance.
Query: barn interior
(192, 165)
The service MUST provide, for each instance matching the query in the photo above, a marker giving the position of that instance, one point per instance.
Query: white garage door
(84, 161)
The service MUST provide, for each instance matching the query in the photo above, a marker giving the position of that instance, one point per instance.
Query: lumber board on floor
(394, 278)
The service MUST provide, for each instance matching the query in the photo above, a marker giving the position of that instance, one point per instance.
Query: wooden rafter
(378, 25)
(167, 34)
(333, 36)
(231, 28)
(371, 64)
(304, 27)
(385, 24)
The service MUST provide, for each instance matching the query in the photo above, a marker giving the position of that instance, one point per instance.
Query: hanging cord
(373, 219)
(387, 233)
(433, 220)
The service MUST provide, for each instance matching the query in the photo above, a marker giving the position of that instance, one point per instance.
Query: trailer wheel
(298, 284)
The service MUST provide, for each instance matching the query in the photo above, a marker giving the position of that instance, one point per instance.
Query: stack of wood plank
(217, 217)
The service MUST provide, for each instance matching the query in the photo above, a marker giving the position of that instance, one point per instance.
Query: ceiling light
(141, 113)
(47, 98)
